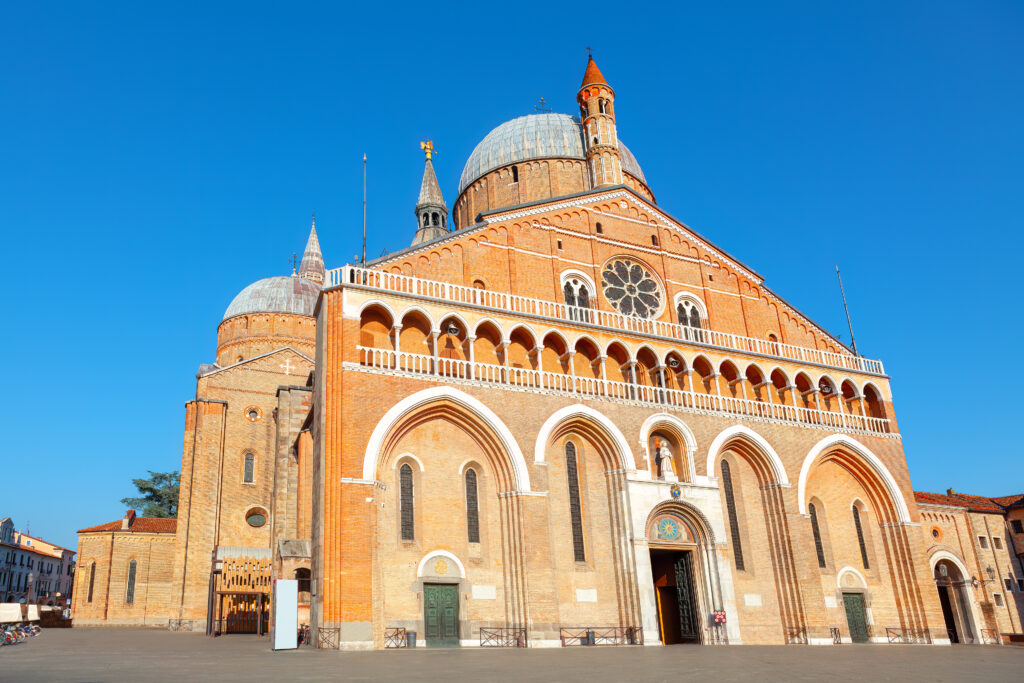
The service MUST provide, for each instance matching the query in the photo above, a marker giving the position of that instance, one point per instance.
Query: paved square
(149, 655)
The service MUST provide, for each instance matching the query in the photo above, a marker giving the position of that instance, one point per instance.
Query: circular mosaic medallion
(440, 567)
(676, 491)
(631, 289)
(668, 529)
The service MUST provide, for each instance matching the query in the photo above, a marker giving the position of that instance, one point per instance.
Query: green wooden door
(856, 619)
(441, 614)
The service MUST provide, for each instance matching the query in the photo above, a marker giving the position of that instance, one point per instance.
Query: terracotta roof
(150, 525)
(593, 74)
(960, 500)
(1013, 501)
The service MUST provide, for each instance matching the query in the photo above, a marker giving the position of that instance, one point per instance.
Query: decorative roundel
(936, 533)
(256, 517)
(253, 414)
(669, 529)
(676, 491)
(440, 567)
(631, 289)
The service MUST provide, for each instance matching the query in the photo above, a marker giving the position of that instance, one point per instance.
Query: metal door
(688, 628)
(441, 614)
(856, 619)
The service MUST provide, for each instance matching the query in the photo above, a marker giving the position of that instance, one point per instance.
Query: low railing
(796, 635)
(593, 387)
(396, 637)
(328, 638)
(590, 636)
(503, 637)
(908, 636)
(520, 305)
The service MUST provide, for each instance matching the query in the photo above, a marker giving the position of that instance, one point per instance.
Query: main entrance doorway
(673, 587)
(441, 614)
(856, 617)
(954, 600)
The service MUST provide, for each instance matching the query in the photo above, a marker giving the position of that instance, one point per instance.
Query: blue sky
(155, 159)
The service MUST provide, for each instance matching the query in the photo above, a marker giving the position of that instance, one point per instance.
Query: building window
(250, 464)
(860, 538)
(983, 542)
(515, 174)
(998, 598)
(654, 240)
(575, 511)
(559, 244)
(1020, 585)
(689, 314)
(817, 536)
(1018, 526)
(129, 594)
(472, 508)
(256, 517)
(92, 580)
(405, 494)
(1009, 585)
(600, 230)
(730, 504)
(997, 542)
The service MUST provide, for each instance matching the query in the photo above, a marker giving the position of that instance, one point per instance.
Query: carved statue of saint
(663, 459)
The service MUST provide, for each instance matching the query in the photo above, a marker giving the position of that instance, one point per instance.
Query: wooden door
(441, 614)
(689, 630)
(856, 618)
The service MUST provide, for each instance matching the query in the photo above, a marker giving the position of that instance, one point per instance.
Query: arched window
(575, 511)
(583, 300)
(435, 218)
(515, 174)
(248, 473)
(689, 313)
(730, 504)
(577, 295)
(818, 548)
(860, 538)
(129, 593)
(599, 229)
(405, 504)
(92, 580)
(570, 294)
(472, 508)
(426, 220)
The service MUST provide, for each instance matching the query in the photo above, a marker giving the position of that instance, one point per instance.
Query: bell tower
(600, 139)
(431, 211)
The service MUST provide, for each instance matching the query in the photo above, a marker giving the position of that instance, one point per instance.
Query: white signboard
(286, 614)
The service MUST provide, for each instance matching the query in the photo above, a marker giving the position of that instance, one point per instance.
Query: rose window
(631, 289)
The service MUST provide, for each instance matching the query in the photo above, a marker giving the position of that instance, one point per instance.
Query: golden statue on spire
(428, 148)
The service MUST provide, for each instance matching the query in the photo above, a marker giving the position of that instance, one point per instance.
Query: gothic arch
(498, 430)
(701, 525)
(593, 417)
(673, 424)
(747, 434)
(438, 554)
(853, 449)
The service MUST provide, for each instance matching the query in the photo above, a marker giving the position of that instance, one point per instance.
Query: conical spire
(312, 266)
(593, 75)
(431, 210)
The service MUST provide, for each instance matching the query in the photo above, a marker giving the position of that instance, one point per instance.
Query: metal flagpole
(853, 341)
(364, 261)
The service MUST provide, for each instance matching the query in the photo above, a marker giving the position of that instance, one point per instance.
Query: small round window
(256, 517)
(253, 413)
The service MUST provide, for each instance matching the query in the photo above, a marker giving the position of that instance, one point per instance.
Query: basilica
(560, 417)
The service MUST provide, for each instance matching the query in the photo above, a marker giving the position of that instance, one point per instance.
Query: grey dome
(536, 136)
(279, 294)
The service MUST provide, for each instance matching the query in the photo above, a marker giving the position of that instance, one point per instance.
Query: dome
(536, 136)
(280, 294)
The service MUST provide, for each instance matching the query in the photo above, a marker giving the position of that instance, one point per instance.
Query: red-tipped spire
(593, 74)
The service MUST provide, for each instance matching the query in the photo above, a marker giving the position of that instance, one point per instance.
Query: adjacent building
(32, 570)
(562, 412)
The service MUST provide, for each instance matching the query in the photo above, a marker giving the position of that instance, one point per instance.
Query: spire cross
(295, 261)
(541, 106)
(428, 148)
(589, 53)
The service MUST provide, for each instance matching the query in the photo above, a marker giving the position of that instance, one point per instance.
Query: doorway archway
(955, 589)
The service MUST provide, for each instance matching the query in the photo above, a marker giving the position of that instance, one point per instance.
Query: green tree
(159, 494)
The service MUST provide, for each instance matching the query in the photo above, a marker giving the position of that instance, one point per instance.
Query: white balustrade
(509, 303)
(555, 382)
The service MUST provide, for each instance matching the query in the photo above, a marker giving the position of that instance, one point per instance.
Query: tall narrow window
(405, 492)
(129, 593)
(250, 465)
(92, 580)
(575, 511)
(570, 294)
(472, 508)
(860, 538)
(515, 174)
(817, 535)
(730, 504)
(583, 300)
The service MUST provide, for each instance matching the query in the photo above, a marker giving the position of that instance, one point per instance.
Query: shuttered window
(734, 527)
(575, 511)
(817, 535)
(129, 594)
(250, 465)
(92, 580)
(472, 508)
(405, 492)
(860, 538)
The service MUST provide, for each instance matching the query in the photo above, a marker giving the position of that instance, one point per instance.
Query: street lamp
(28, 587)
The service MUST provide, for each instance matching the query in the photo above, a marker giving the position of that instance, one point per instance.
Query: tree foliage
(159, 495)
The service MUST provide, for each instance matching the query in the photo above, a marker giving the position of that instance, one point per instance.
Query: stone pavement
(111, 654)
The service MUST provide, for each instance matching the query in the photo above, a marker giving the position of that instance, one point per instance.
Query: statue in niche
(664, 461)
